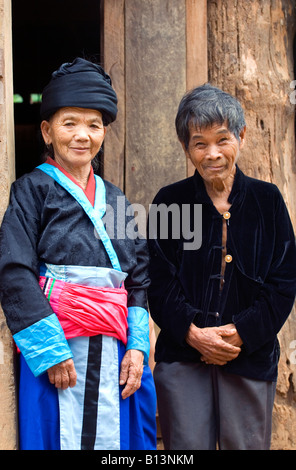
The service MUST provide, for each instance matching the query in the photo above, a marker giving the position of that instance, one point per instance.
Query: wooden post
(155, 82)
(125, 61)
(113, 46)
(196, 49)
(8, 426)
(196, 43)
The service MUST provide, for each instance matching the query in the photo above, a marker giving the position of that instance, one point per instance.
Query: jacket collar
(237, 193)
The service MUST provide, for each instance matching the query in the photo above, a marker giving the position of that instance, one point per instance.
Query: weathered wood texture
(194, 31)
(8, 426)
(113, 45)
(196, 50)
(155, 82)
(250, 49)
(196, 43)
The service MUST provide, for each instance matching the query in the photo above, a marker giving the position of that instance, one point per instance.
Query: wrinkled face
(214, 151)
(76, 135)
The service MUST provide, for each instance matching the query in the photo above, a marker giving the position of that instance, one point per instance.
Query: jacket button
(228, 258)
(226, 215)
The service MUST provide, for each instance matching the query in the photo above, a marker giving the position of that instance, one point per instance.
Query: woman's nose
(81, 133)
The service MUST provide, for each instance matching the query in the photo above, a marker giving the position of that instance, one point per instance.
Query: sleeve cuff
(138, 331)
(43, 344)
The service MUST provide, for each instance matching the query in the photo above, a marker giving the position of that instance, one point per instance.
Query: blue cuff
(138, 331)
(43, 344)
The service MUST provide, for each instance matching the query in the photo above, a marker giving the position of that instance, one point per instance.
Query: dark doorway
(45, 35)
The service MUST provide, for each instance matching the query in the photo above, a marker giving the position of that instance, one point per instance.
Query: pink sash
(87, 311)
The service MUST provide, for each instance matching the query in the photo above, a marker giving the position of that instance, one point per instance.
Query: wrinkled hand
(131, 371)
(63, 375)
(234, 338)
(214, 343)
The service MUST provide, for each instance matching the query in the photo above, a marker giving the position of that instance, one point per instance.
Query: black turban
(80, 84)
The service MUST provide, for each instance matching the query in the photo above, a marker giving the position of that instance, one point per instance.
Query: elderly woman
(75, 297)
(219, 306)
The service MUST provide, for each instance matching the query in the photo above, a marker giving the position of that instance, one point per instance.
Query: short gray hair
(205, 106)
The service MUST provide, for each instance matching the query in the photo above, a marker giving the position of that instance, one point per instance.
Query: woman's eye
(96, 126)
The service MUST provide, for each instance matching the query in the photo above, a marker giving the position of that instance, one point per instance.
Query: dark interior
(45, 35)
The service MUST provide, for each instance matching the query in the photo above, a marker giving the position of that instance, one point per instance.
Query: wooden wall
(154, 51)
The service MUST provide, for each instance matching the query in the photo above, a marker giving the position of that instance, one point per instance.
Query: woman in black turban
(73, 284)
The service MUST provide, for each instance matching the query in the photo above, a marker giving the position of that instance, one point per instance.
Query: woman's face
(76, 135)
(214, 151)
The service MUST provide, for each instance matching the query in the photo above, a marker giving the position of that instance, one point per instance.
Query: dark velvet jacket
(259, 283)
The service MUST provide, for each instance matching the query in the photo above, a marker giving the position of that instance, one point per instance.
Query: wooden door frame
(8, 413)
(113, 53)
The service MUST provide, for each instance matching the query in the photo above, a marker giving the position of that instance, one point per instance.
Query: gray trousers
(202, 407)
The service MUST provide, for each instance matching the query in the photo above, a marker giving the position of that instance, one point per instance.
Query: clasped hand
(217, 345)
(63, 375)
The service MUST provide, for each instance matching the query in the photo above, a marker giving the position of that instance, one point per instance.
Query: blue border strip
(43, 344)
(95, 213)
(138, 331)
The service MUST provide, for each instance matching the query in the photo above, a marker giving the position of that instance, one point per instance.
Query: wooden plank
(196, 49)
(196, 43)
(114, 57)
(8, 411)
(155, 83)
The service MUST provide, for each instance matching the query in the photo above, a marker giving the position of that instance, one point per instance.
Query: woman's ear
(45, 131)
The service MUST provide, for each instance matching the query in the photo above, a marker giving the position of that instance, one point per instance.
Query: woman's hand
(131, 371)
(63, 375)
(213, 343)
